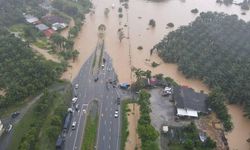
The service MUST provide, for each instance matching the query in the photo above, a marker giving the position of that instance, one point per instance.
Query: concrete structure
(58, 26)
(188, 102)
(42, 27)
(30, 18)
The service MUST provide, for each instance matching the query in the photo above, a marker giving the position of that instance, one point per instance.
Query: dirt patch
(213, 128)
(2, 92)
(133, 140)
(45, 54)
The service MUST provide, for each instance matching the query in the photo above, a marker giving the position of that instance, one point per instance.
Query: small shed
(42, 27)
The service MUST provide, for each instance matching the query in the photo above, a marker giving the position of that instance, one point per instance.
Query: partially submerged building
(188, 102)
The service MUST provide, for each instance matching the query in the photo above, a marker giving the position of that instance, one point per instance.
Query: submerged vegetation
(215, 49)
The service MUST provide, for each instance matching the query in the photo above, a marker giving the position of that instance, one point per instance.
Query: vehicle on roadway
(77, 107)
(9, 128)
(70, 110)
(67, 121)
(59, 143)
(74, 100)
(116, 114)
(118, 100)
(76, 86)
(124, 86)
(73, 125)
(15, 114)
(96, 79)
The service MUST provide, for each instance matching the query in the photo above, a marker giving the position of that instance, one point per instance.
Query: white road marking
(70, 134)
(110, 122)
(109, 129)
(105, 122)
(103, 137)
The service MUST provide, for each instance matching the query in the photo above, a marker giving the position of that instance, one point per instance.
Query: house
(42, 27)
(48, 33)
(1, 128)
(30, 18)
(188, 102)
(51, 19)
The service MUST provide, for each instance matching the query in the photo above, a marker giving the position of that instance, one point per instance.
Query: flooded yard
(134, 24)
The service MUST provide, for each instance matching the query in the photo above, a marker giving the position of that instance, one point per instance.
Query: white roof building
(30, 18)
(42, 27)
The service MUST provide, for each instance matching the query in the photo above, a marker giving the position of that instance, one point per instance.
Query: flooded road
(137, 33)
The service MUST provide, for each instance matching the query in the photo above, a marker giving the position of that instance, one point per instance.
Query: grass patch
(124, 124)
(89, 139)
(18, 27)
(42, 43)
(100, 58)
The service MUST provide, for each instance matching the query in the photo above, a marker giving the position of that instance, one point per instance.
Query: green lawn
(90, 132)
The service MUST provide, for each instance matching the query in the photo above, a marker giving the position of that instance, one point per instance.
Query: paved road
(106, 94)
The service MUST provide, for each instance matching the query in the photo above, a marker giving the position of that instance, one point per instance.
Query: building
(42, 27)
(30, 18)
(48, 33)
(1, 128)
(188, 102)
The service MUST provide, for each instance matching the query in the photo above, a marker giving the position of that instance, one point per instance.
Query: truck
(67, 121)
(59, 143)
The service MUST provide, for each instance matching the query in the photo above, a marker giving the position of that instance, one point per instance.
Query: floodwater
(137, 32)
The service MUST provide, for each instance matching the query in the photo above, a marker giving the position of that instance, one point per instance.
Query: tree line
(214, 48)
(23, 73)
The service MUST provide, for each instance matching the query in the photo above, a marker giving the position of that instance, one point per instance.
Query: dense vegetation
(216, 101)
(12, 10)
(146, 131)
(187, 138)
(22, 72)
(41, 125)
(214, 48)
(76, 10)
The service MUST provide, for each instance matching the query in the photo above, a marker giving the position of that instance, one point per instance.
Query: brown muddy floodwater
(137, 32)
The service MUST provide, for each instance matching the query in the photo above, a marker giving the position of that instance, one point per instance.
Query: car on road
(15, 114)
(73, 125)
(9, 128)
(76, 86)
(70, 110)
(96, 79)
(74, 100)
(77, 107)
(116, 114)
(118, 100)
(124, 86)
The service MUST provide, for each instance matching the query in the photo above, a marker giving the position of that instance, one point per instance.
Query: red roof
(48, 32)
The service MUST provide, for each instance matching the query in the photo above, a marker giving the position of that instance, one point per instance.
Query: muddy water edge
(134, 24)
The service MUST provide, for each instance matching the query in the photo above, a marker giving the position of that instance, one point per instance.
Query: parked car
(15, 114)
(70, 110)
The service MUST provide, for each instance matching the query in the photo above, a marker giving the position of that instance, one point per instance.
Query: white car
(76, 86)
(73, 125)
(116, 114)
(74, 100)
(9, 129)
(70, 110)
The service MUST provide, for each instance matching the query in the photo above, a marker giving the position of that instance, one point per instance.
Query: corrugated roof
(187, 98)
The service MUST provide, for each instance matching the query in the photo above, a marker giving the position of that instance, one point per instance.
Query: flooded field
(134, 24)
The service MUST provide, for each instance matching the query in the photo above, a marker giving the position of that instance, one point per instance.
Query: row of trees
(146, 131)
(22, 72)
(214, 48)
(41, 115)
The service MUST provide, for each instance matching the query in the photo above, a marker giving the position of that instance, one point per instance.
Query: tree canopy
(215, 48)
(23, 73)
